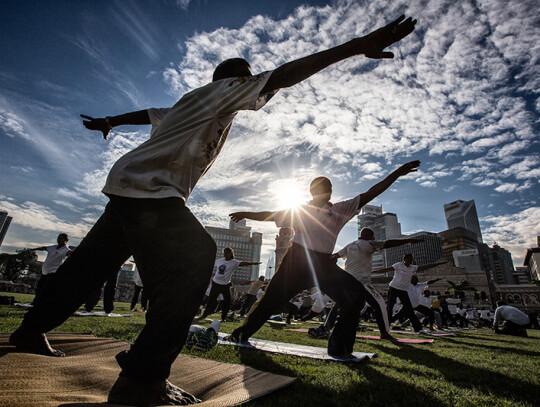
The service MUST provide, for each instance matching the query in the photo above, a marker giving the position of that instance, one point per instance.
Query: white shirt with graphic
(225, 269)
(317, 228)
(402, 276)
(185, 140)
(55, 258)
(358, 257)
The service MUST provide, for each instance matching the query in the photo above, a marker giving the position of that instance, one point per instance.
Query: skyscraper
(463, 214)
(5, 221)
(246, 246)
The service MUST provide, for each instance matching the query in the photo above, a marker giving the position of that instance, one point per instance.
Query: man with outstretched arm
(148, 189)
(308, 263)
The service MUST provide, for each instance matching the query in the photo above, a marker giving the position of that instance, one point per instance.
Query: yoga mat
(293, 349)
(84, 377)
(100, 314)
(403, 340)
(271, 321)
(415, 333)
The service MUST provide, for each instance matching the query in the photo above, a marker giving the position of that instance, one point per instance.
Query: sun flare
(290, 194)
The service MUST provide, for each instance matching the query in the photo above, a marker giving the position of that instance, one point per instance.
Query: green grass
(476, 368)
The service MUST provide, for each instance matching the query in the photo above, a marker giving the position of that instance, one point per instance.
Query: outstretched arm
(38, 248)
(399, 242)
(105, 125)
(371, 46)
(382, 186)
(260, 216)
(248, 263)
(428, 266)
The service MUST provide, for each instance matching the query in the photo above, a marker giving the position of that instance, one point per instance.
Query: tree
(12, 265)
(460, 287)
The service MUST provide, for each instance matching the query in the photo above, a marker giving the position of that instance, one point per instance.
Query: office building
(457, 239)
(426, 252)
(283, 240)
(245, 244)
(5, 221)
(532, 260)
(463, 214)
(498, 263)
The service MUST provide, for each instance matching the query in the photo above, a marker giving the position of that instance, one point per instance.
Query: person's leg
(144, 299)
(175, 256)
(428, 312)
(376, 302)
(331, 318)
(250, 300)
(212, 300)
(40, 287)
(135, 297)
(408, 309)
(226, 303)
(92, 300)
(390, 304)
(290, 278)
(109, 293)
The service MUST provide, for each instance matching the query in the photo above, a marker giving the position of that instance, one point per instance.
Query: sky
(461, 95)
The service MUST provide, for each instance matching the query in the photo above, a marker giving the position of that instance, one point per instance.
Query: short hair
(64, 235)
(408, 256)
(227, 68)
(500, 303)
(365, 232)
(228, 249)
(318, 184)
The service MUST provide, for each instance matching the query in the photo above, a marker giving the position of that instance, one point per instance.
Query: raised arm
(428, 266)
(38, 248)
(371, 46)
(399, 242)
(106, 124)
(265, 216)
(382, 186)
(248, 263)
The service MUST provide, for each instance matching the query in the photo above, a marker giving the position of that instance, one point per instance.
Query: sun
(289, 193)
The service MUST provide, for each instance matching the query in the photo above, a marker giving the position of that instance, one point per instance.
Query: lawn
(476, 368)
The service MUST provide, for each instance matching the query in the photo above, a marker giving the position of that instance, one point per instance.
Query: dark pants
(215, 290)
(301, 269)
(108, 295)
(41, 286)
(406, 307)
(144, 298)
(175, 257)
(428, 312)
(248, 302)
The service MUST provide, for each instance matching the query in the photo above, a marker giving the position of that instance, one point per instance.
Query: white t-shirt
(55, 258)
(509, 313)
(415, 292)
(470, 313)
(187, 140)
(402, 276)
(426, 301)
(317, 228)
(452, 305)
(359, 256)
(225, 269)
(484, 314)
(319, 301)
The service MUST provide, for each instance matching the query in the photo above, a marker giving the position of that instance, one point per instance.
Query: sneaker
(319, 333)
(423, 332)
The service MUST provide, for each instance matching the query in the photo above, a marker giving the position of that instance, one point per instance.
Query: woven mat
(85, 376)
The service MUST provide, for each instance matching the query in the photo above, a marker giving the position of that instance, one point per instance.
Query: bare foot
(33, 342)
(144, 393)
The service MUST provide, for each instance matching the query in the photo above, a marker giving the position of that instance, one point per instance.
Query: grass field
(476, 368)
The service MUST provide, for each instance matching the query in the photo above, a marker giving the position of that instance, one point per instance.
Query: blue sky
(461, 95)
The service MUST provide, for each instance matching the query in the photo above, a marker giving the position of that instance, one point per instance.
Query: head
(500, 303)
(228, 253)
(427, 293)
(414, 280)
(62, 239)
(321, 189)
(232, 68)
(367, 234)
(261, 278)
(408, 259)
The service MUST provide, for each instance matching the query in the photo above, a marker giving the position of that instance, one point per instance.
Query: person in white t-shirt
(221, 282)
(399, 286)
(308, 261)
(319, 301)
(485, 317)
(358, 263)
(509, 320)
(147, 217)
(56, 254)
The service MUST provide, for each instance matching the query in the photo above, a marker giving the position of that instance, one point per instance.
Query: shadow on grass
(496, 348)
(468, 376)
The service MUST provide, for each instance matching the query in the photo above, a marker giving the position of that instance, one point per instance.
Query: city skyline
(461, 95)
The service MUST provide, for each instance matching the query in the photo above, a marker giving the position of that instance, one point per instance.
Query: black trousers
(406, 309)
(41, 286)
(108, 295)
(300, 269)
(248, 302)
(215, 290)
(144, 297)
(175, 257)
(428, 312)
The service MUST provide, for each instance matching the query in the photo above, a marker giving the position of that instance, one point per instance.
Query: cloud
(13, 125)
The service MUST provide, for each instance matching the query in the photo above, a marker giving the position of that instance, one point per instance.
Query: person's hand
(373, 44)
(96, 124)
(408, 168)
(237, 216)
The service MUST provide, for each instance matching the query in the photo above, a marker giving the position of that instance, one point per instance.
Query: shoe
(319, 333)
(423, 332)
